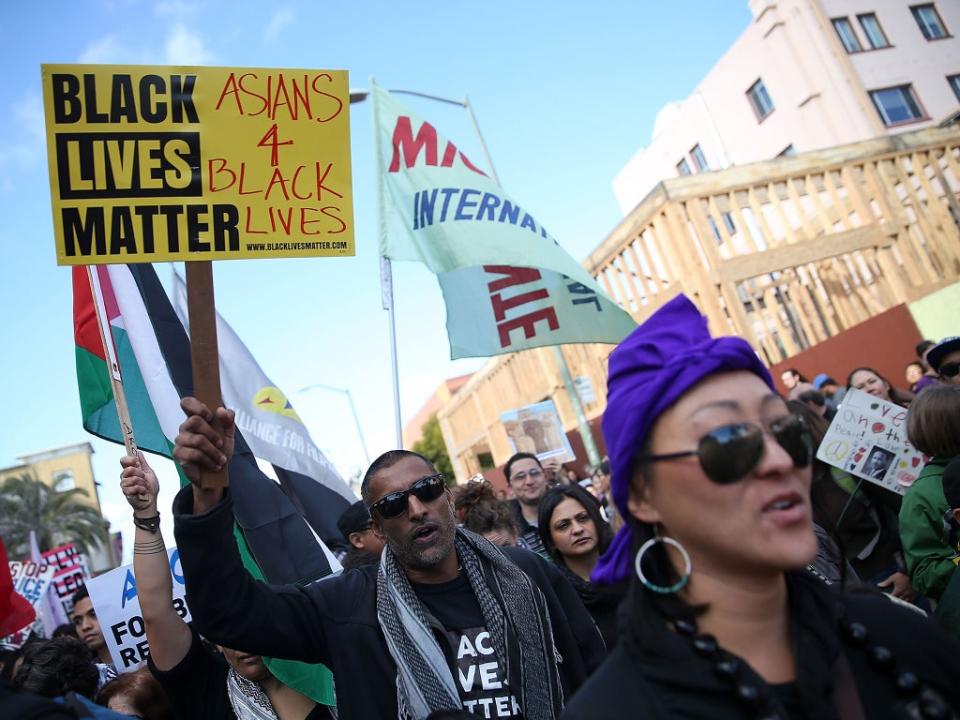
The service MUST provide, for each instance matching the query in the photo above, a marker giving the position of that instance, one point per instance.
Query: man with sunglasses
(446, 620)
(944, 358)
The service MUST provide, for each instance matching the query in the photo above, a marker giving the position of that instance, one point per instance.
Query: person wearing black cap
(356, 526)
(944, 358)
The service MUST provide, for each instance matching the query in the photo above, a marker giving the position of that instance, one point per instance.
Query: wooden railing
(785, 253)
(789, 252)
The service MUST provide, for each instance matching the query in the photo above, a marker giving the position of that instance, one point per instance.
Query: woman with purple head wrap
(712, 475)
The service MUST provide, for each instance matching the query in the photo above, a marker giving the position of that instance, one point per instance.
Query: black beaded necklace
(756, 702)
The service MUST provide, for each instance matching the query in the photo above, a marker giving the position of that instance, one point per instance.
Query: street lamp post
(353, 410)
(359, 95)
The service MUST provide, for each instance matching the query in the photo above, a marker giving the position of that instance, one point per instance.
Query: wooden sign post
(204, 357)
(159, 164)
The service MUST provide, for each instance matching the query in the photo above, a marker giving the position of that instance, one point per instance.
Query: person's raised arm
(200, 447)
(168, 635)
(227, 605)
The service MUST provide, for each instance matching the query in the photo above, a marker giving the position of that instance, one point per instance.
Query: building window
(699, 159)
(788, 151)
(871, 28)
(63, 481)
(760, 100)
(847, 36)
(683, 167)
(929, 21)
(954, 81)
(897, 105)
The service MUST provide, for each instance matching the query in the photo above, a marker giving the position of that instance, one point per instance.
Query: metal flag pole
(386, 273)
(583, 426)
(353, 411)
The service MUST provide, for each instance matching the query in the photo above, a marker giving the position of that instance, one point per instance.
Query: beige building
(413, 430)
(850, 239)
(806, 75)
(66, 468)
(63, 468)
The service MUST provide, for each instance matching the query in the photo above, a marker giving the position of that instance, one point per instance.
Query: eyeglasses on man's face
(533, 474)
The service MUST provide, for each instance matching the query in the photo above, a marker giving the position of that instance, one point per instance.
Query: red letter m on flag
(426, 139)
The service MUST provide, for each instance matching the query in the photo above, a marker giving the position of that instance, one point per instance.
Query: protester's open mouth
(786, 508)
(425, 534)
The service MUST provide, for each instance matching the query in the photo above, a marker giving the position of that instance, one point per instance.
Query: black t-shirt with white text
(481, 681)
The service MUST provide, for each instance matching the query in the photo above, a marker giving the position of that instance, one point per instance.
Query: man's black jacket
(334, 621)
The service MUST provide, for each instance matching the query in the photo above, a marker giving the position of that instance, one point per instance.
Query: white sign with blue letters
(114, 597)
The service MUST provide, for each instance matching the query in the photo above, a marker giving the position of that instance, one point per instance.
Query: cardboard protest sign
(868, 439)
(114, 597)
(31, 579)
(17, 639)
(151, 164)
(69, 574)
(537, 429)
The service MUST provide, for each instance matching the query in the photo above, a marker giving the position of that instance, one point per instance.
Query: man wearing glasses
(445, 621)
(529, 481)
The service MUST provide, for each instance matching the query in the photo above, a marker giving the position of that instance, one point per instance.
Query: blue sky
(564, 92)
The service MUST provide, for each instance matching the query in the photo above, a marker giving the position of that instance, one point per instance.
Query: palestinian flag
(94, 368)
(148, 346)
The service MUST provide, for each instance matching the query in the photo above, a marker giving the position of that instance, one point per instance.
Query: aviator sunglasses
(949, 370)
(426, 489)
(731, 452)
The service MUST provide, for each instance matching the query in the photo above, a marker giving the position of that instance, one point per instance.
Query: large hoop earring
(663, 589)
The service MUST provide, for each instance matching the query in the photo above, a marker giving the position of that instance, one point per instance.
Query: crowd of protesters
(712, 566)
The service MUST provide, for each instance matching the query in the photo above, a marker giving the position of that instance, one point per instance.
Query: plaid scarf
(248, 701)
(516, 616)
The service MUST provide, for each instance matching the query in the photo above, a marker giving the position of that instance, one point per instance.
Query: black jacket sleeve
(231, 608)
(574, 632)
(589, 640)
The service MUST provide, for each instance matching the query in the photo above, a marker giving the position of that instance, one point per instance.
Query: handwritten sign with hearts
(868, 439)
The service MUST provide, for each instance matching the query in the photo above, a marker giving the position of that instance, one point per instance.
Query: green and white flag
(507, 283)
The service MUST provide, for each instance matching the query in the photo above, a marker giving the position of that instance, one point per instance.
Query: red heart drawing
(914, 461)
(879, 427)
(856, 458)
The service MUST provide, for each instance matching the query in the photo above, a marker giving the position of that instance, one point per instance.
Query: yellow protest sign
(152, 164)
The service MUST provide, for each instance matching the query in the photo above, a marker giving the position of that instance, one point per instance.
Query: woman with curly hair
(479, 510)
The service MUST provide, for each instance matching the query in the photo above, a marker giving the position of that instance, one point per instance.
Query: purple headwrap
(649, 371)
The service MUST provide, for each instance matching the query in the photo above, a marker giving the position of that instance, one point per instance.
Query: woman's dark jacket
(660, 675)
(601, 601)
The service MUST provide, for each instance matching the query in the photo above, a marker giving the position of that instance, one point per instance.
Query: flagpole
(116, 377)
(583, 426)
(386, 283)
(386, 272)
(109, 351)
